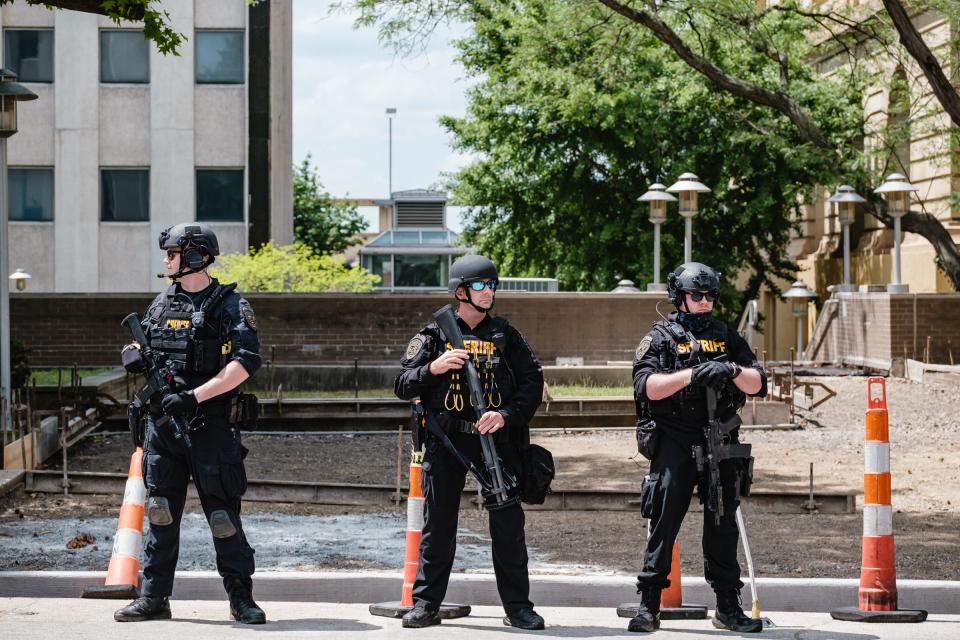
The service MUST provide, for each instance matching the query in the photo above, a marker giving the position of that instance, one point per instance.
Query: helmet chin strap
(470, 301)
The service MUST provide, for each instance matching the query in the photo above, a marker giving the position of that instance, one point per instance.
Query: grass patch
(557, 391)
(42, 377)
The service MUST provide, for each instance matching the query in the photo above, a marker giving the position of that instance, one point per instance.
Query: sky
(344, 79)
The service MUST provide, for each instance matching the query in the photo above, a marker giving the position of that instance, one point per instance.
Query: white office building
(124, 141)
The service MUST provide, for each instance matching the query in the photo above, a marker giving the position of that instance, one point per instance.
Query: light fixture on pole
(10, 94)
(658, 198)
(391, 112)
(896, 191)
(20, 278)
(846, 200)
(800, 296)
(688, 186)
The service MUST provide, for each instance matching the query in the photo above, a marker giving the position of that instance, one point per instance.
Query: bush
(19, 367)
(290, 268)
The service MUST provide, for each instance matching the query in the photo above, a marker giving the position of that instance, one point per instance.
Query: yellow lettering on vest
(177, 324)
(226, 348)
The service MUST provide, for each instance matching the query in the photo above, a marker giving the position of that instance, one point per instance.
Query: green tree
(319, 222)
(755, 66)
(291, 268)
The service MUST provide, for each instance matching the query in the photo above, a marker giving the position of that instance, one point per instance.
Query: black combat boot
(244, 609)
(144, 608)
(421, 616)
(648, 617)
(524, 619)
(730, 616)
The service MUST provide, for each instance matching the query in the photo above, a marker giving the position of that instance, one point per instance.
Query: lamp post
(846, 200)
(800, 296)
(10, 94)
(391, 112)
(658, 198)
(20, 277)
(688, 186)
(896, 191)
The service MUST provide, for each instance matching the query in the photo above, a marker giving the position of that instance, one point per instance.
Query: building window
(124, 195)
(381, 265)
(219, 57)
(29, 54)
(124, 57)
(31, 194)
(220, 195)
(420, 270)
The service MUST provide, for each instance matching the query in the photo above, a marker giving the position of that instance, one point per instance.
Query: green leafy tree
(319, 222)
(739, 76)
(291, 268)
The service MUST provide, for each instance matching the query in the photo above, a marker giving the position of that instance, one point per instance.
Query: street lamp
(800, 296)
(688, 186)
(20, 277)
(391, 112)
(846, 200)
(658, 198)
(896, 191)
(10, 94)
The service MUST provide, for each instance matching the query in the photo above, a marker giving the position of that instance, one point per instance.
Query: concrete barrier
(776, 594)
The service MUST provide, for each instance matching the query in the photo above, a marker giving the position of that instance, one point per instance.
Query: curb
(776, 594)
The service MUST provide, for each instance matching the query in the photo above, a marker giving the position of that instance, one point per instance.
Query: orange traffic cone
(412, 556)
(878, 578)
(123, 574)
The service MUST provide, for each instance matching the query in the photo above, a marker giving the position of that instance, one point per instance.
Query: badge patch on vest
(415, 347)
(643, 347)
(247, 311)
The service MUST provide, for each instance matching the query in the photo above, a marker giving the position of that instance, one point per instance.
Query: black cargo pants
(443, 481)
(665, 498)
(215, 462)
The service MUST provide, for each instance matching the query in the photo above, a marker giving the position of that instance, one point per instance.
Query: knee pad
(158, 511)
(221, 525)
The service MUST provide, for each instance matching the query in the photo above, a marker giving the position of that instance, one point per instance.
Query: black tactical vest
(192, 339)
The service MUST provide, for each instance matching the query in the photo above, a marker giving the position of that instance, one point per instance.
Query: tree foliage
(291, 268)
(736, 90)
(319, 222)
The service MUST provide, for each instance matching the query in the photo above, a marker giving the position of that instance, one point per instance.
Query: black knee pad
(158, 511)
(221, 525)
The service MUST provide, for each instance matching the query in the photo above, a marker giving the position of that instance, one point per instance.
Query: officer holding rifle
(511, 387)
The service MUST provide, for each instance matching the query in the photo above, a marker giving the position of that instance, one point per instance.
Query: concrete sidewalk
(27, 618)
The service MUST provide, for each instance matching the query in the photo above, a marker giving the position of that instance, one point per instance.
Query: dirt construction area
(925, 464)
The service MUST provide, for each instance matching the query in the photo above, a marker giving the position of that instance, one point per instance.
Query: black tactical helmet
(691, 276)
(470, 268)
(190, 235)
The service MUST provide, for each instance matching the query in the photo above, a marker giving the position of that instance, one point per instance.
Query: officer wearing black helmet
(207, 334)
(513, 382)
(674, 365)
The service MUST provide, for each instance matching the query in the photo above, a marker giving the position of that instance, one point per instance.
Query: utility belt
(454, 425)
(241, 410)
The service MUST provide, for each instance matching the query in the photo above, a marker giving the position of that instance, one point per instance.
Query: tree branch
(777, 100)
(914, 44)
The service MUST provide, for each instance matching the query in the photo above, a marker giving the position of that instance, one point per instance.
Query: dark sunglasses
(171, 253)
(478, 285)
(697, 296)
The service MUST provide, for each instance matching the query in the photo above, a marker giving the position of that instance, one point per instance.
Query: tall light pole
(896, 191)
(688, 186)
(391, 112)
(10, 94)
(846, 200)
(658, 198)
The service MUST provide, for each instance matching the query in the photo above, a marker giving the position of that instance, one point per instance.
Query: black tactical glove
(711, 374)
(132, 359)
(183, 403)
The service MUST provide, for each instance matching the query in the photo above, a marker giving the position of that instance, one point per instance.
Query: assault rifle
(158, 374)
(708, 457)
(499, 482)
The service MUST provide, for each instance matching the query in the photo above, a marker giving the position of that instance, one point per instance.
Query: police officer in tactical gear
(208, 335)
(674, 365)
(512, 381)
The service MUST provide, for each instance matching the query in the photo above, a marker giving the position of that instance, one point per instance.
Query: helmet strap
(469, 300)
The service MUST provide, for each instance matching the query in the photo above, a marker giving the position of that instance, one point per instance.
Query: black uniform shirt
(517, 378)
(239, 327)
(683, 415)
